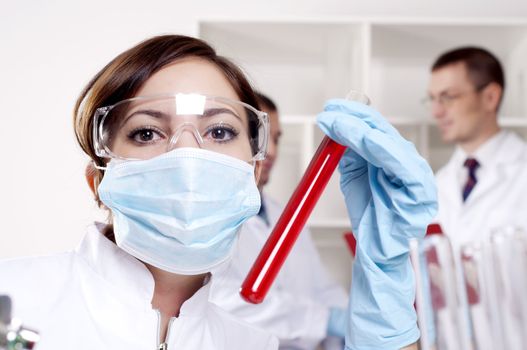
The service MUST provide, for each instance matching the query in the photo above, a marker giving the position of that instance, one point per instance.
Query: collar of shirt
(127, 276)
(263, 213)
(486, 154)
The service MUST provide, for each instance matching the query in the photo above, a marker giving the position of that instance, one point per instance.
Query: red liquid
(280, 242)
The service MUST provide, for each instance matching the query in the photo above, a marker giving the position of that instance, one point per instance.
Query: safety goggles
(141, 128)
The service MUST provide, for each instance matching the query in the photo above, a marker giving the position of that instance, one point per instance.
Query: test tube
(293, 218)
(482, 302)
(421, 300)
(442, 278)
(510, 292)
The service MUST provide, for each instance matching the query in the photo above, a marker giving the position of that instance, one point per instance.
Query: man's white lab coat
(99, 297)
(296, 309)
(499, 197)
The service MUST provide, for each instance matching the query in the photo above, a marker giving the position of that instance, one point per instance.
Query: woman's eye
(145, 135)
(221, 133)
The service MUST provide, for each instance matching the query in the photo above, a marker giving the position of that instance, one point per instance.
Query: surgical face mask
(180, 211)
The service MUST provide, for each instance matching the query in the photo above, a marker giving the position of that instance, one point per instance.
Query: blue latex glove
(338, 320)
(390, 194)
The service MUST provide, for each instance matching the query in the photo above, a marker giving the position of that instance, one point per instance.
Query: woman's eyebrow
(150, 112)
(210, 112)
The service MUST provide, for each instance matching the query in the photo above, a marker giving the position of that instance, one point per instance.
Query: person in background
(484, 184)
(305, 306)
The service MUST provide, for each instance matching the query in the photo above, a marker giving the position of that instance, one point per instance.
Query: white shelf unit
(301, 63)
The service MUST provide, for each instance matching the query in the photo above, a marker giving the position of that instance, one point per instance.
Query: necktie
(472, 165)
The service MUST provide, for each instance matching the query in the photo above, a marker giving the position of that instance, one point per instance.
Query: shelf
(298, 119)
(513, 122)
(300, 63)
(504, 121)
(402, 55)
(395, 120)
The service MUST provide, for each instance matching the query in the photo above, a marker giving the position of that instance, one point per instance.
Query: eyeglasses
(446, 99)
(141, 128)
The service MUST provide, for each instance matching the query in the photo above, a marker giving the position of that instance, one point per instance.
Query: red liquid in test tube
(293, 218)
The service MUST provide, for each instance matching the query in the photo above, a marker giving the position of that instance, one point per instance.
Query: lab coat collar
(455, 171)
(504, 147)
(119, 269)
(511, 149)
(196, 305)
(128, 276)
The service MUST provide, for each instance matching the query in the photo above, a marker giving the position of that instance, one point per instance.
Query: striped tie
(472, 165)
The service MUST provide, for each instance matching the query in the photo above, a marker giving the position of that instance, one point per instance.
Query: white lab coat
(99, 297)
(296, 309)
(499, 197)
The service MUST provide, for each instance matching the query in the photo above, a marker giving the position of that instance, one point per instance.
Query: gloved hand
(390, 194)
(337, 322)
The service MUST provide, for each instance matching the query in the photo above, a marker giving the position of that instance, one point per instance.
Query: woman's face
(148, 128)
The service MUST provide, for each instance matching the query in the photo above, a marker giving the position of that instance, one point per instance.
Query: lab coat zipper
(163, 345)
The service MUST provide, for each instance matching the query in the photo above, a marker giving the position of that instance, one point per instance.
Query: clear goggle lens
(141, 128)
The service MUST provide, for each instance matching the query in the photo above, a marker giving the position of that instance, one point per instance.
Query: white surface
(51, 49)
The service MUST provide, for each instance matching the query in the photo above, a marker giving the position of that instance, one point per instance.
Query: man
(484, 185)
(304, 305)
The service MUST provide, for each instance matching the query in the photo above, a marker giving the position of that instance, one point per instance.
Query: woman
(177, 146)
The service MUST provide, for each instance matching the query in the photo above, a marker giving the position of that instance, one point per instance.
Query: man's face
(456, 104)
(272, 148)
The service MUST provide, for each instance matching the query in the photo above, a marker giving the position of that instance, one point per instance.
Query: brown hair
(265, 102)
(124, 76)
(482, 66)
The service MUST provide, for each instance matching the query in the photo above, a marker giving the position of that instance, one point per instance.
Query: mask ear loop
(95, 173)
(98, 167)
(257, 170)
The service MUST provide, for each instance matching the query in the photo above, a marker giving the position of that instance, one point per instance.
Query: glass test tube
(509, 285)
(293, 218)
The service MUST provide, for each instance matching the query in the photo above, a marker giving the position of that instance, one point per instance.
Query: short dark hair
(265, 101)
(482, 66)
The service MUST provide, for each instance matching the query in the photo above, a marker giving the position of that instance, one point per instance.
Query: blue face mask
(180, 211)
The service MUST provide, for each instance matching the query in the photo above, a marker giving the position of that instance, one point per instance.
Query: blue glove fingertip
(325, 121)
(346, 106)
(371, 116)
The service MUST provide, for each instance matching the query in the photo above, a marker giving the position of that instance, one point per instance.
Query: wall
(50, 49)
